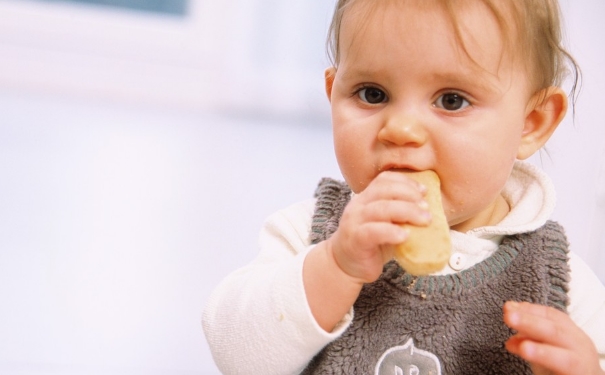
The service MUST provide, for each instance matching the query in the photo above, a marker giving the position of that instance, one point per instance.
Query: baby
(467, 89)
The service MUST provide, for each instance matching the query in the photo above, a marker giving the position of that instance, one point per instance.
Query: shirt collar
(531, 196)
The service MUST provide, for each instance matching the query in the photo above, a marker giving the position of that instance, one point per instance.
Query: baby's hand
(550, 341)
(369, 226)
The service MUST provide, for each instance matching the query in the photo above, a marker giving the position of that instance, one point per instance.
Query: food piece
(428, 248)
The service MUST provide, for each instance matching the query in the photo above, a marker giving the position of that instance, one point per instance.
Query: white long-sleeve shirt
(258, 321)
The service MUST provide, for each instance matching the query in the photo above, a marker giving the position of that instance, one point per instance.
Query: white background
(140, 154)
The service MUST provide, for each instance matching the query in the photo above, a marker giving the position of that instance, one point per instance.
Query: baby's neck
(492, 216)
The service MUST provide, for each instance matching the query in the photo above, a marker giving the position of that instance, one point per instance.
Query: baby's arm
(257, 320)
(335, 271)
(264, 318)
(550, 340)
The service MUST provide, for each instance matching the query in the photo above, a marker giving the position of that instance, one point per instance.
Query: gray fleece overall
(449, 324)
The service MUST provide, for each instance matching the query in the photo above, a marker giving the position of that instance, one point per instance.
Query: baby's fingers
(541, 323)
(371, 235)
(549, 339)
(396, 212)
(554, 359)
(393, 186)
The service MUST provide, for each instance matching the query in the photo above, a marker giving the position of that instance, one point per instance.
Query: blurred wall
(140, 154)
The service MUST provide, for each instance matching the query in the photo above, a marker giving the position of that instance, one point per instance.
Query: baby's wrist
(339, 269)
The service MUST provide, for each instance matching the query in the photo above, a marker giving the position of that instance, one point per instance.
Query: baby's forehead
(474, 33)
(393, 44)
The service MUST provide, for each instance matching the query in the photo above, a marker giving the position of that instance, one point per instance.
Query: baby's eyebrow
(477, 79)
(480, 80)
(358, 74)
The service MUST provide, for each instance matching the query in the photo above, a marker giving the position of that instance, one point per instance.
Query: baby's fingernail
(513, 319)
(513, 305)
(423, 204)
(529, 349)
(402, 235)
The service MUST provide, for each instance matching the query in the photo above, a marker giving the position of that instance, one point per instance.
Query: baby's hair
(532, 26)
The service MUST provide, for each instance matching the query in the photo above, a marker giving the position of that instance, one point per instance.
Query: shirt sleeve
(258, 321)
(587, 303)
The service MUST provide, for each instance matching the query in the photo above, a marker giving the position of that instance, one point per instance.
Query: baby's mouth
(395, 168)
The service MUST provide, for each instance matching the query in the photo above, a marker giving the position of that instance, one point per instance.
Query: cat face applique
(407, 360)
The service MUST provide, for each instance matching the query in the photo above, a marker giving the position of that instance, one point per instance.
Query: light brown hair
(532, 27)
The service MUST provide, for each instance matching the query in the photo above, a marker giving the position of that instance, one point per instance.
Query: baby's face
(406, 96)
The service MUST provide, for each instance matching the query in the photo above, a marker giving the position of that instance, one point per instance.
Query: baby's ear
(329, 75)
(545, 111)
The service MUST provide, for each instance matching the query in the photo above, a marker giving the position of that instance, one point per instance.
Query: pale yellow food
(427, 249)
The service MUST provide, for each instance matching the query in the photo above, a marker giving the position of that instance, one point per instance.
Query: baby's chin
(357, 186)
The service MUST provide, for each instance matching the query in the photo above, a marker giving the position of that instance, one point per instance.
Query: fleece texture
(443, 324)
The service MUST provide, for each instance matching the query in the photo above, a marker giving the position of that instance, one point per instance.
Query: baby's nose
(403, 130)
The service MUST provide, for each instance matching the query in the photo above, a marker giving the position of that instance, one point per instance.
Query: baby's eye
(372, 95)
(451, 102)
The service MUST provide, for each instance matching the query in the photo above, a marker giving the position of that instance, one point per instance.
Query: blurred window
(172, 7)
